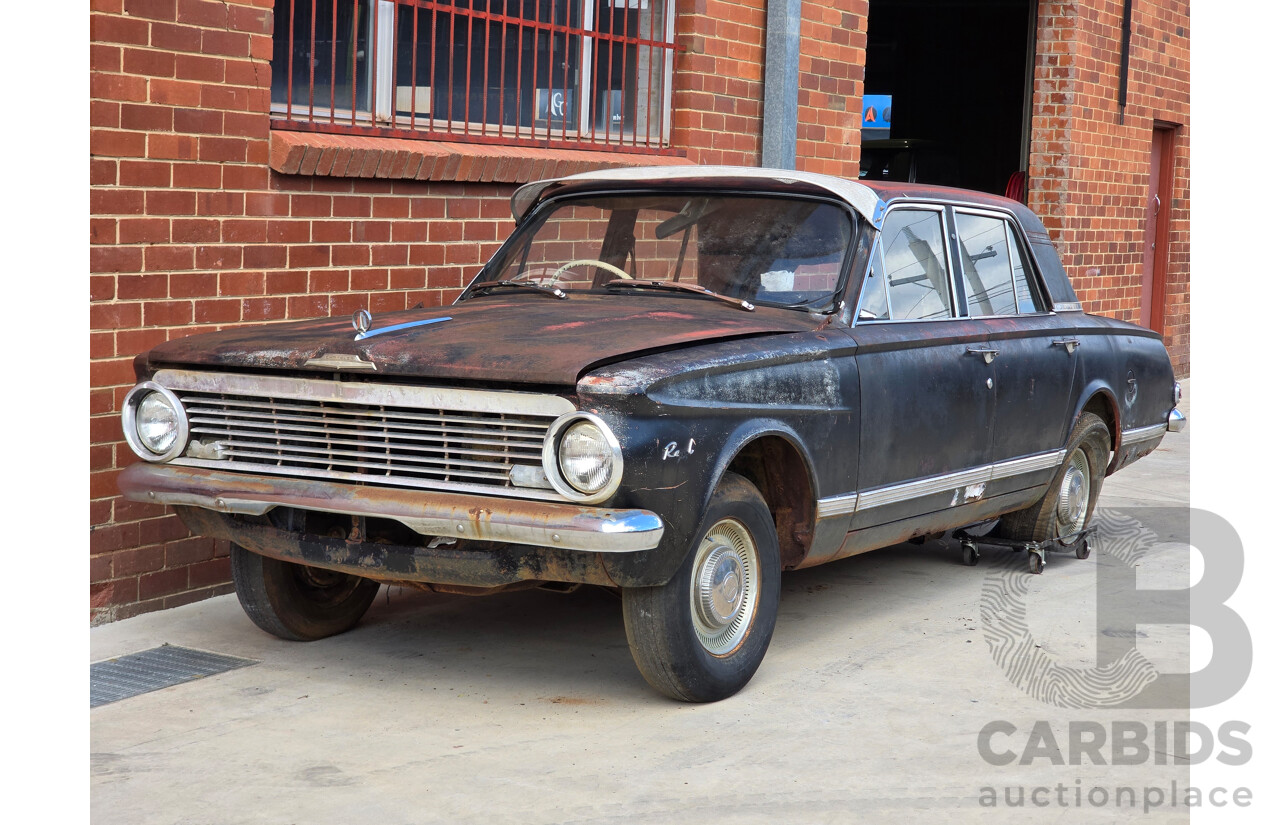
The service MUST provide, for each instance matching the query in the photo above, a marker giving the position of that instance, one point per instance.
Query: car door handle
(988, 355)
(1069, 343)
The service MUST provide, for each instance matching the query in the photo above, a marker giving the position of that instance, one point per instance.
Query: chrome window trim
(878, 248)
(374, 394)
(1013, 232)
(857, 502)
(1067, 306)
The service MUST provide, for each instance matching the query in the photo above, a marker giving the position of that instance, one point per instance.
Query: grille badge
(341, 361)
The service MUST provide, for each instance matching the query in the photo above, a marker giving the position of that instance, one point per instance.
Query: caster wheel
(1082, 549)
(1036, 563)
(968, 555)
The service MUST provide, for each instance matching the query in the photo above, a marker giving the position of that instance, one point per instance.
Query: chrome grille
(305, 431)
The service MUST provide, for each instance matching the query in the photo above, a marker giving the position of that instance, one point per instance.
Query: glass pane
(778, 251)
(321, 61)
(1028, 298)
(875, 299)
(984, 260)
(915, 264)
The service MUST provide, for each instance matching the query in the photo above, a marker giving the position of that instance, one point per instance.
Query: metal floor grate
(160, 667)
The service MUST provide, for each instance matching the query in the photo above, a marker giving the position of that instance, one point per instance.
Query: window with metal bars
(555, 73)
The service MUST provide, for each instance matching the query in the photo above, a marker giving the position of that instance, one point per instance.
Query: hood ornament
(362, 322)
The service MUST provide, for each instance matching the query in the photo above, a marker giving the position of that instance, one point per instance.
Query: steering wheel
(590, 262)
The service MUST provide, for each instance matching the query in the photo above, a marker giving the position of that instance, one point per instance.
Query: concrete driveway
(527, 708)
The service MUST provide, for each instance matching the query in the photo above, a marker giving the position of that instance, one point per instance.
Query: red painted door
(1155, 257)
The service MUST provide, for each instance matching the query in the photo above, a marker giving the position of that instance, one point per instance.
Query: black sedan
(677, 383)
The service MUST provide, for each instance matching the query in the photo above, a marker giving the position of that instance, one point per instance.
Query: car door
(927, 405)
(1032, 349)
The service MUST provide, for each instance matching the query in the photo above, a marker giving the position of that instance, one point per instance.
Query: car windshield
(768, 250)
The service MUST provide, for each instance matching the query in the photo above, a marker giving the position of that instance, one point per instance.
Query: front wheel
(701, 636)
(297, 602)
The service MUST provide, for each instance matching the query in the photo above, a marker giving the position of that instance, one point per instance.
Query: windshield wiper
(675, 286)
(545, 290)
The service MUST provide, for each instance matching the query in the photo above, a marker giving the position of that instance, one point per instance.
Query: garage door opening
(948, 91)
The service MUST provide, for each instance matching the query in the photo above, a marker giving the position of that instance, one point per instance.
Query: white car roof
(862, 198)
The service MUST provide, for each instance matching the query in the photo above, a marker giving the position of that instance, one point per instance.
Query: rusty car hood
(527, 338)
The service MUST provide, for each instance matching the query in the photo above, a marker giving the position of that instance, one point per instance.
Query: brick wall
(1089, 171)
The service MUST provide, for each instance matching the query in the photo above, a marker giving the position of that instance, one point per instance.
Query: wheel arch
(774, 461)
(1100, 401)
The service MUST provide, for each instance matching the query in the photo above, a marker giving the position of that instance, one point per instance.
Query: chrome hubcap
(724, 587)
(1073, 496)
(720, 587)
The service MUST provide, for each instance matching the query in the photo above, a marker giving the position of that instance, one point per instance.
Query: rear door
(1033, 350)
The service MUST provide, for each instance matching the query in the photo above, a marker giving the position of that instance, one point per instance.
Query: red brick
(193, 284)
(167, 313)
(197, 230)
(102, 230)
(115, 259)
(112, 143)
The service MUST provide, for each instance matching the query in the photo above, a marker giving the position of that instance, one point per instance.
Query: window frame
(960, 298)
(381, 118)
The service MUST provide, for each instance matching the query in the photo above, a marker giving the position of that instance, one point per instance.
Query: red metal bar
(466, 110)
(288, 98)
(484, 104)
(533, 108)
(333, 62)
(502, 80)
(519, 73)
(373, 64)
(311, 67)
(355, 41)
(431, 75)
(453, 20)
(395, 56)
(413, 71)
(564, 83)
(608, 99)
(648, 96)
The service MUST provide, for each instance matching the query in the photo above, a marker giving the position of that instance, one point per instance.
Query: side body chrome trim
(1067, 306)
(1133, 436)
(858, 502)
(833, 506)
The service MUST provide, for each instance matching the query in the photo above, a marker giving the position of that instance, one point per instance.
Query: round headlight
(582, 458)
(155, 425)
(586, 461)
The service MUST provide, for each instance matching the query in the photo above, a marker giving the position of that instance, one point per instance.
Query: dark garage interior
(958, 72)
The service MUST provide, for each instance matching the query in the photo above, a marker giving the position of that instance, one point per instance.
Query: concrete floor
(527, 708)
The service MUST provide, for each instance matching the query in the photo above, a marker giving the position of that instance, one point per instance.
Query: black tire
(297, 602)
(1059, 513)
(693, 639)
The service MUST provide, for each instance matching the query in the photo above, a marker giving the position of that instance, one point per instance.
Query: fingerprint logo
(1008, 633)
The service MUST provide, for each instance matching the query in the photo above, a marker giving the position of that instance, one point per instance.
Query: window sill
(354, 156)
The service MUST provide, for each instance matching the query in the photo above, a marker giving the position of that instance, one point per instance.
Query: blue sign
(877, 111)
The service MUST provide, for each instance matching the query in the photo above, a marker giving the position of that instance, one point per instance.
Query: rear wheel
(1067, 506)
(701, 636)
(297, 602)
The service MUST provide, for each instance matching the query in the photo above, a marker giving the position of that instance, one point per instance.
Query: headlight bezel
(551, 457)
(129, 421)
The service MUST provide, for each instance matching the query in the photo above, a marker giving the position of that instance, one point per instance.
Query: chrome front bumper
(430, 513)
(1177, 421)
